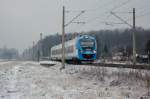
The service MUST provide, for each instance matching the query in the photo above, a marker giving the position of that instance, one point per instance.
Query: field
(30, 80)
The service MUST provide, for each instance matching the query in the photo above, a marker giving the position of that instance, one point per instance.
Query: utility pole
(148, 56)
(63, 32)
(63, 39)
(133, 34)
(33, 51)
(134, 39)
(41, 49)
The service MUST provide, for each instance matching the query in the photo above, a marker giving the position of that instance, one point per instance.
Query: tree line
(108, 42)
(8, 53)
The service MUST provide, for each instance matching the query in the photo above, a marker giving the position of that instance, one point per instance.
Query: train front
(87, 48)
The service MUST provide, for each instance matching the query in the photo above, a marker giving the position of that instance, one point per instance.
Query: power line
(123, 12)
(142, 8)
(140, 16)
(69, 11)
(78, 22)
(116, 7)
(108, 23)
(104, 5)
(143, 15)
(112, 23)
(121, 19)
(133, 35)
(122, 4)
(96, 9)
(74, 18)
(90, 10)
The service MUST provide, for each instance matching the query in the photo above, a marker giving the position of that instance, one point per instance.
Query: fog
(22, 21)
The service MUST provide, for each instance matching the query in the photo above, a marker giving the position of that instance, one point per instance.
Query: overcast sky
(22, 21)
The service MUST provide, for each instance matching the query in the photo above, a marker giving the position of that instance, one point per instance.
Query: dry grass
(94, 72)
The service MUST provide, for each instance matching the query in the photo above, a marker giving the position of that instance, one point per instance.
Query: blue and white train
(81, 48)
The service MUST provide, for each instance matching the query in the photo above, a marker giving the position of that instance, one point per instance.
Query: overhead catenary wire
(140, 16)
(96, 9)
(114, 9)
(108, 23)
(93, 9)
(122, 4)
(90, 10)
(119, 6)
(144, 15)
(104, 5)
(121, 19)
(122, 12)
(74, 18)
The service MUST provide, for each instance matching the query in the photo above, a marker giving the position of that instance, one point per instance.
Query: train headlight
(94, 51)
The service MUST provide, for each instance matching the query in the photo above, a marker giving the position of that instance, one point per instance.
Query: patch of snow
(30, 80)
(48, 62)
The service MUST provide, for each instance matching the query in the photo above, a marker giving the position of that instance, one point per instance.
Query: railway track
(137, 66)
(115, 65)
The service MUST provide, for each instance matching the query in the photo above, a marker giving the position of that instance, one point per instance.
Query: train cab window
(87, 43)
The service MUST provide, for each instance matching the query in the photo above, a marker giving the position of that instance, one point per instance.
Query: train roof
(85, 36)
(66, 43)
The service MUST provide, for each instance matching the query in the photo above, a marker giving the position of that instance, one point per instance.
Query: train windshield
(87, 43)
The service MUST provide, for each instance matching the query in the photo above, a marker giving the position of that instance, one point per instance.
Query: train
(82, 48)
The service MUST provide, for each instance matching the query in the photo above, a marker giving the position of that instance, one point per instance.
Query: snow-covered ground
(4, 61)
(30, 80)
